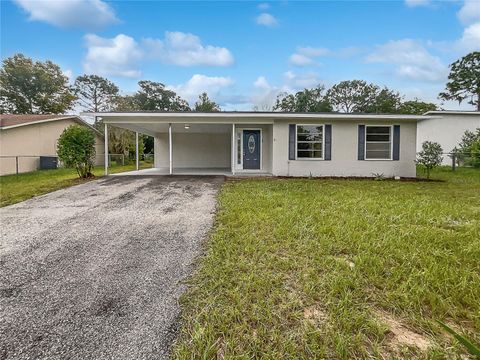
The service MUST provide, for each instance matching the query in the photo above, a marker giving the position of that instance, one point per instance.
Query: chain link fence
(10, 164)
(27, 163)
(462, 159)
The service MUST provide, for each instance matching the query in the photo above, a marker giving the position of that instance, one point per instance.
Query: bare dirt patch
(315, 315)
(399, 335)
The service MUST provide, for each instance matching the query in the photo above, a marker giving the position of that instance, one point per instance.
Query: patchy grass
(338, 269)
(16, 188)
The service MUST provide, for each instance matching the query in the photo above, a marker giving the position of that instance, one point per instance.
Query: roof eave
(270, 115)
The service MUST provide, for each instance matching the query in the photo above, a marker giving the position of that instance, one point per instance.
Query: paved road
(95, 271)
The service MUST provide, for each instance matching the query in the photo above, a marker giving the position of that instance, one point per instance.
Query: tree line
(36, 87)
(352, 96)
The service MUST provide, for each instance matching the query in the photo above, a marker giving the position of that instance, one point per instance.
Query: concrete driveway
(95, 271)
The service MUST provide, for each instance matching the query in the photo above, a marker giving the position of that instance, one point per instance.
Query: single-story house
(26, 138)
(446, 128)
(274, 143)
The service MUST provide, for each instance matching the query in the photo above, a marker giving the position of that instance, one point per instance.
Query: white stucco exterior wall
(208, 150)
(447, 130)
(207, 142)
(344, 160)
(194, 150)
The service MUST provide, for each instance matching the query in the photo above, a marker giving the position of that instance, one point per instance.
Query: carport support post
(170, 158)
(106, 149)
(233, 149)
(136, 150)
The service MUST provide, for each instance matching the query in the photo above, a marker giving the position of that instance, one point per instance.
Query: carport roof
(152, 123)
(236, 116)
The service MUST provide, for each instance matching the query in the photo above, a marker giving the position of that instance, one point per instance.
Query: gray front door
(251, 149)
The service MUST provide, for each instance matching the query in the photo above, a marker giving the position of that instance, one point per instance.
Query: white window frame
(323, 143)
(391, 142)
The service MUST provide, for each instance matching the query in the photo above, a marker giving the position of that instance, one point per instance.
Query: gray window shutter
(396, 142)
(361, 142)
(291, 141)
(328, 142)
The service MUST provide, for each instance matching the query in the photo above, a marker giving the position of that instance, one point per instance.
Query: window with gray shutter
(378, 142)
(310, 141)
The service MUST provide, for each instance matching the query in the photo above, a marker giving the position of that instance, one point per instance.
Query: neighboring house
(446, 128)
(30, 136)
(274, 143)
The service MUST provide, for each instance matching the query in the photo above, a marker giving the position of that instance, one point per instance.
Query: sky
(245, 53)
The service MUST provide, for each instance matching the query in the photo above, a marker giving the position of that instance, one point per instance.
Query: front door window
(251, 149)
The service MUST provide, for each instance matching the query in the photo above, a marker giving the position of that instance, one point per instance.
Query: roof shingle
(19, 119)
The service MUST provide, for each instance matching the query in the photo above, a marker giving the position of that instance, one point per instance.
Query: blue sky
(244, 53)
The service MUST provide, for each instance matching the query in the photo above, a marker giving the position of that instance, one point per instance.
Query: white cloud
(295, 82)
(415, 3)
(199, 83)
(306, 55)
(120, 56)
(313, 52)
(300, 60)
(470, 12)
(411, 58)
(261, 83)
(69, 74)
(470, 40)
(87, 14)
(469, 15)
(264, 6)
(265, 94)
(186, 49)
(266, 19)
(117, 56)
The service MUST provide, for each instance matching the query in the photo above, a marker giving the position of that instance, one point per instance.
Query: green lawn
(339, 269)
(16, 188)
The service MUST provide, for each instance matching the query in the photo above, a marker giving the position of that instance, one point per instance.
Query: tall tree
(154, 96)
(28, 87)
(353, 96)
(95, 93)
(416, 107)
(125, 103)
(307, 100)
(386, 101)
(204, 104)
(464, 80)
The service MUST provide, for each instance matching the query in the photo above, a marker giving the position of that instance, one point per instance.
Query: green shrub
(76, 149)
(468, 151)
(430, 157)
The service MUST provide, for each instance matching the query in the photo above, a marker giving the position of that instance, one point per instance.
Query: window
(310, 141)
(378, 142)
(239, 148)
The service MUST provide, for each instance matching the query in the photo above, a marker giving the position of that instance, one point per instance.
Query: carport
(191, 143)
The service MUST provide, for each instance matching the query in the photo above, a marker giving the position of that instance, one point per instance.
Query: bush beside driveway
(95, 271)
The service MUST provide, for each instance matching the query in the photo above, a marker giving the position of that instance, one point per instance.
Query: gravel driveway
(95, 271)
